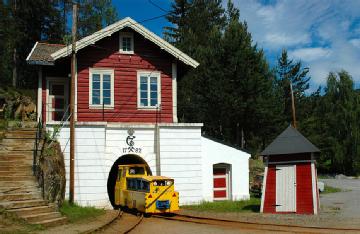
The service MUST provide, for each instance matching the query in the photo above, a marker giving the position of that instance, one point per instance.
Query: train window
(138, 184)
(131, 184)
(136, 171)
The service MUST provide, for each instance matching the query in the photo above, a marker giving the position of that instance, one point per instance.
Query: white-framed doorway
(57, 98)
(221, 182)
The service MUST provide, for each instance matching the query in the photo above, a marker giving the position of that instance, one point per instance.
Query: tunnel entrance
(123, 160)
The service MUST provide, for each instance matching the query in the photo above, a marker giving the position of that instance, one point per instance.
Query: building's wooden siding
(147, 57)
(304, 196)
(270, 193)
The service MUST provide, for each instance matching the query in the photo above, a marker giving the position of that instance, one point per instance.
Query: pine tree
(95, 15)
(291, 73)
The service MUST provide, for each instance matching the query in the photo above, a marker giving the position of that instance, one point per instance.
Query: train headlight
(168, 183)
(155, 183)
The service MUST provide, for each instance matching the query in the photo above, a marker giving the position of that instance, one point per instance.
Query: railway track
(256, 226)
(123, 224)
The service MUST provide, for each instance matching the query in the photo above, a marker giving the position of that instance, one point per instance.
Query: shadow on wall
(123, 160)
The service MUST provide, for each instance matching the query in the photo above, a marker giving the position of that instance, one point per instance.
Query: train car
(136, 189)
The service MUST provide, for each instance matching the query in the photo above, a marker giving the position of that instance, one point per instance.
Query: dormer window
(126, 43)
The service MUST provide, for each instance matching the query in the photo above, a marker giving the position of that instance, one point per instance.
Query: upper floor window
(149, 90)
(126, 43)
(101, 93)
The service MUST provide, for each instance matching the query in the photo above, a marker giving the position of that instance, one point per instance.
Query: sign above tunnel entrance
(131, 143)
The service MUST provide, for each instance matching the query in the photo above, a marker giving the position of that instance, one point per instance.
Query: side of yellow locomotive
(136, 189)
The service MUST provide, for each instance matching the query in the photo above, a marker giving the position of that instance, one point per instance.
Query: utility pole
(293, 106)
(72, 104)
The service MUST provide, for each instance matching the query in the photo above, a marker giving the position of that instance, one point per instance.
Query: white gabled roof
(127, 22)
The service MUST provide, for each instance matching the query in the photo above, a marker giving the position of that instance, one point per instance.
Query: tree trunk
(14, 73)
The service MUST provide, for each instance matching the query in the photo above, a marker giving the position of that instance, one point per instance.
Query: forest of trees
(243, 101)
(239, 97)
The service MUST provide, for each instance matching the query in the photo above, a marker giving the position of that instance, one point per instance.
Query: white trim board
(32, 50)
(314, 188)
(126, 22)
(263, 190)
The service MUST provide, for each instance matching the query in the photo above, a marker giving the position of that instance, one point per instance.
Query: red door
(220, 183)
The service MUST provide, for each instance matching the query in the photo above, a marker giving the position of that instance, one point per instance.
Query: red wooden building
(126, 86)
(290, 179)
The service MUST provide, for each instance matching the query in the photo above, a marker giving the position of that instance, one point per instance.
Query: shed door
(286, 188)
(220, 183)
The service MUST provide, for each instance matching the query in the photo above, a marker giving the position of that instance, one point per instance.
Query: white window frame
(101, 71)
(126, 34)
(148, 74)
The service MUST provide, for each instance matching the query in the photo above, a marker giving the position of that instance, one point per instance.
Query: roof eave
(43, 63)
(127, 22)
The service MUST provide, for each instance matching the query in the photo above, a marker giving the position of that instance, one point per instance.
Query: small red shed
(290, 179)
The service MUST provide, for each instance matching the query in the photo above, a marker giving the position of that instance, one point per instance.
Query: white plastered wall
(215, 153)
(99, 145)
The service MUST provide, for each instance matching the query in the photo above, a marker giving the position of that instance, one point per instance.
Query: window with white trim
(126, 43)
(101, 93)
(149, 94)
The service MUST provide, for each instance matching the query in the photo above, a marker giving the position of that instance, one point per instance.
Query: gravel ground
(338, 210)
(346, 203)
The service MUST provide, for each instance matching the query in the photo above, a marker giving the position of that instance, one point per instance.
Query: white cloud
(355, 42)
(310, 54)
(324, 35)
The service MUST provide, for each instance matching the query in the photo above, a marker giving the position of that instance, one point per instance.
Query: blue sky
(323, 34)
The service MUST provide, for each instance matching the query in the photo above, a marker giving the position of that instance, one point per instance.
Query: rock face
(19, 190)
(52, 167)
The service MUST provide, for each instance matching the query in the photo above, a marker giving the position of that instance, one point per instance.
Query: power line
(154, 4)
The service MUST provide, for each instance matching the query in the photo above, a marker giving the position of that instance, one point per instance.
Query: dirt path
(82, 226)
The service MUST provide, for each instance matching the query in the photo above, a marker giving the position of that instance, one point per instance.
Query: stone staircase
(19, 190)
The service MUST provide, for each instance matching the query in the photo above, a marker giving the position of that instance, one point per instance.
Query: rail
(124, 222)
(39, 138)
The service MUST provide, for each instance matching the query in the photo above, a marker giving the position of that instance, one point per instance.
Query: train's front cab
(136, 189)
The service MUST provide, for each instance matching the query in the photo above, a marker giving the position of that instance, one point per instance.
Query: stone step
(33, 210)
(14, 167)
(11, 140)
(20, 196)
(32, 218)
(16, 184)
(10, 153)
(27, 172)
(19, 147)
(22, 204)
(20, 189)
(52, 222)
(17, 178)
(15, 157)
(22, 162)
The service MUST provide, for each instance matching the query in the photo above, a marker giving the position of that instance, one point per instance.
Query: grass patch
(325, 176)
(252, 205)
(76, 213)
(329, 189)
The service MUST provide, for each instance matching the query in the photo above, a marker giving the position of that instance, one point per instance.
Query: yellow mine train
(136, 189)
